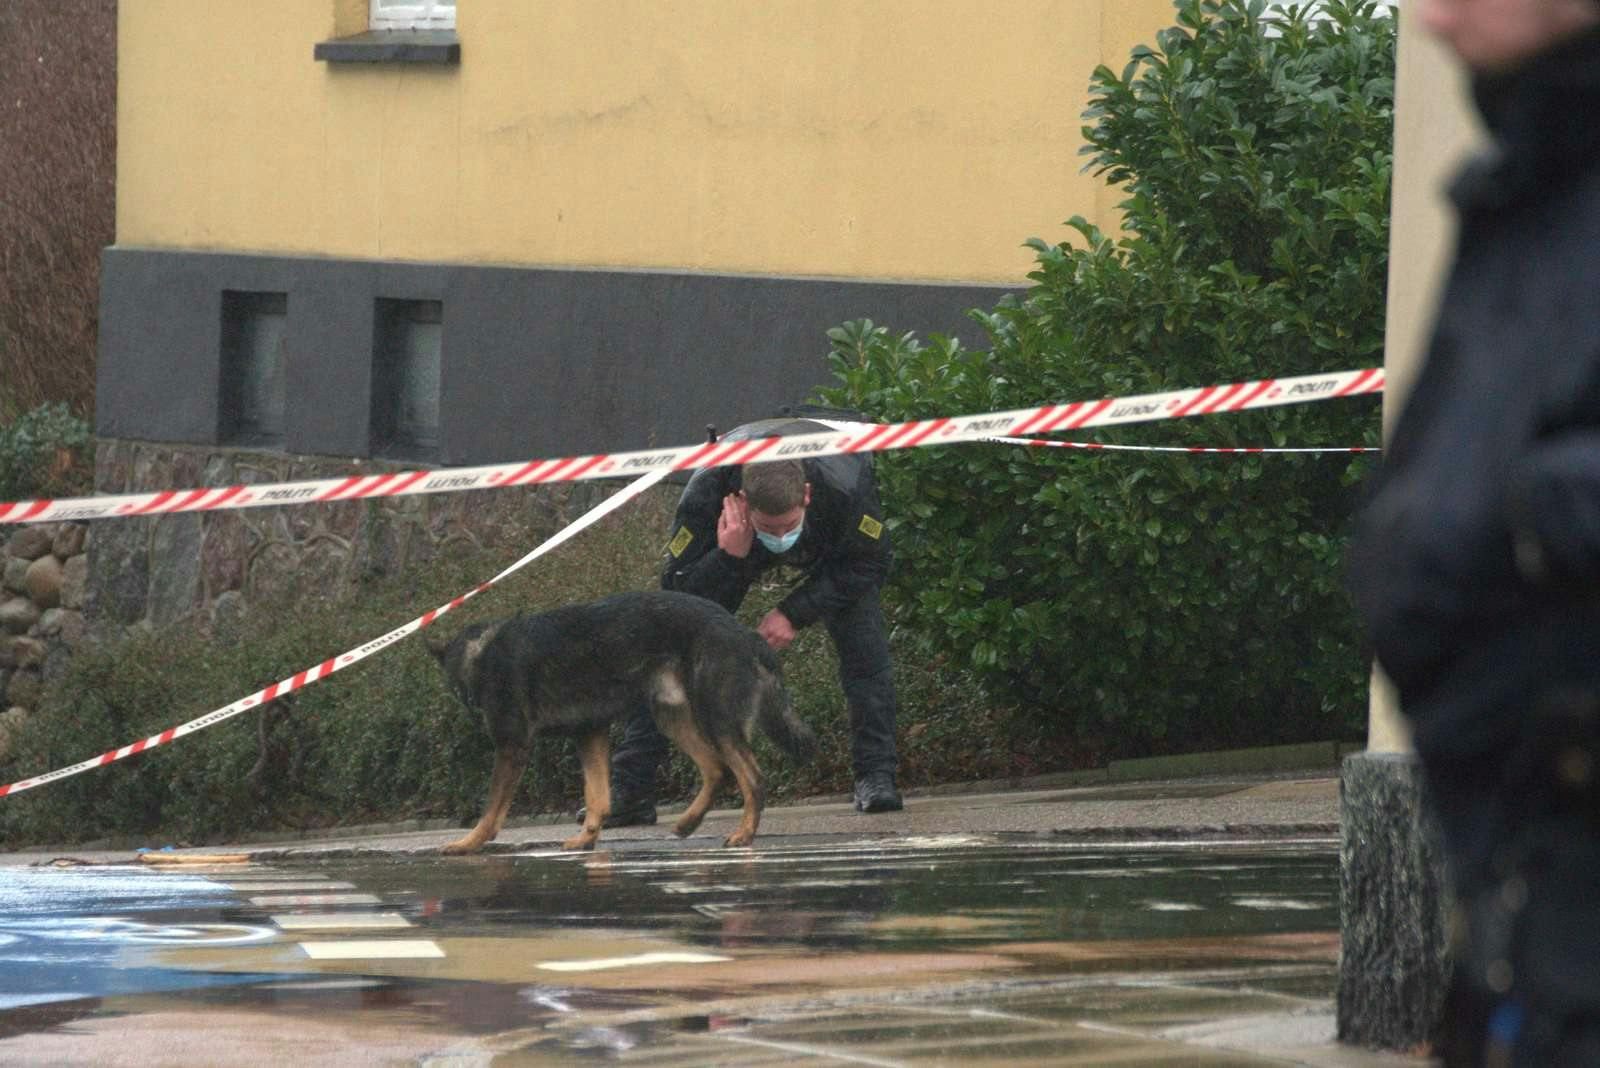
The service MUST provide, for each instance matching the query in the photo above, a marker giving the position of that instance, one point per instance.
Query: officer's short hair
(775, 487)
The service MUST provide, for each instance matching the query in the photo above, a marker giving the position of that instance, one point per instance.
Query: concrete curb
(1306, 756)
(1280, 759)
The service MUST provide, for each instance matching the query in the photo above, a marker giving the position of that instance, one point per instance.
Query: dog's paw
(738, 839)
(460, 847)
(579, 842)
(684, 828)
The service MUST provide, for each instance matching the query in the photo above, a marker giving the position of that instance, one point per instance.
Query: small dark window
(405, 379)
(251, 409)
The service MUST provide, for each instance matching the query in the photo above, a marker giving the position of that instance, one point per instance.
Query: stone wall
(209, 569)
(43, 577)
(63, 585)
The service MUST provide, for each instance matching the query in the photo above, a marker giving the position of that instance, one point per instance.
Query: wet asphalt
(1172, 923)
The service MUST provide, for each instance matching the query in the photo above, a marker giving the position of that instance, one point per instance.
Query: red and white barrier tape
(1110, 411)
(1240, 396)
(1048, 444)
(343, 660)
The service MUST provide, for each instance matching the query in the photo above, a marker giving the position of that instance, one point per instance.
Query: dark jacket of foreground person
(1476, 567)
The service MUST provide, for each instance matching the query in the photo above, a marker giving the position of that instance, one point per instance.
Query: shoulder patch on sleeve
(870, 527)
(680, 541)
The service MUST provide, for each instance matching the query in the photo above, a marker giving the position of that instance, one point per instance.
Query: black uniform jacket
(1476, 563)
(843, 547)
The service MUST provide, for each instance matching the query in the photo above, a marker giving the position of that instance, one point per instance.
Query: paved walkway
(1304, 804)
(1256, 1024)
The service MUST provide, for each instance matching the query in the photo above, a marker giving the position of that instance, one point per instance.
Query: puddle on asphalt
(704, 924)
(869, 897)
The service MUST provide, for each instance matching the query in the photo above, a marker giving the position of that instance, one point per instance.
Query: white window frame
(413, 15)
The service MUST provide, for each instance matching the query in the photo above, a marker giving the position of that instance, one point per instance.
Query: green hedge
(1147, 602)
(44, 453)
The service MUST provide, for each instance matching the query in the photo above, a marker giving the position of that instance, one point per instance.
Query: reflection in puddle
(1276, 903)
(912, 895)
(647, 939)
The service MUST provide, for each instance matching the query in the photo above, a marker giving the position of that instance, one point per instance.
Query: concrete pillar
(1393, 956)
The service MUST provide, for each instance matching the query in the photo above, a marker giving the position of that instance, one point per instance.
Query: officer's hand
(735, 535)
(777, 630)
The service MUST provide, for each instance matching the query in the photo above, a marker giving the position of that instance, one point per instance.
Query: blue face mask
(776, 543)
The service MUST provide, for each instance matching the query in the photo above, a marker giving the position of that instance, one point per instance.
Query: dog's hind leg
(736, 754)
(677, 723)
(594, 753)
(509, 764)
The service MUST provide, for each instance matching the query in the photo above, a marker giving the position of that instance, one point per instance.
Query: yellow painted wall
(858, 138)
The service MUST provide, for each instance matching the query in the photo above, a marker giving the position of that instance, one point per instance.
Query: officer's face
(1496, 35)
(777, 525)
(782, 523)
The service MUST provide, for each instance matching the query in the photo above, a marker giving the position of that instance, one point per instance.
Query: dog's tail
(777, 716)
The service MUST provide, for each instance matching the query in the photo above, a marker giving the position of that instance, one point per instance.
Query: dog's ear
(438, 644)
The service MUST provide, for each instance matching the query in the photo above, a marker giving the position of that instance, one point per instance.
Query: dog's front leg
(594, 753)
(509, 764)
(742, 763)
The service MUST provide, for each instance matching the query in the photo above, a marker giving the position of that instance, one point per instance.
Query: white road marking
(372, 949)
(812, 1051)
(17, 1001)
(630, 962)
(269, 900)
(331, 921)
(245, 886)
(1288, 903)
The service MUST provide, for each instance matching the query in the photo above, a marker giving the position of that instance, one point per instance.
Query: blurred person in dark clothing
(1476, 563)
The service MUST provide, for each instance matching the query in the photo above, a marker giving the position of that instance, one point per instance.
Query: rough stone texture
(223, 557)
(273, 574)
(214, 568)
(63, 624)
(174, 570)
(30, 543)
(70, 540)
(13, 573)
(18, 651)
(18, 614)
(323, 561)
(227, 614)
(119, 569)
(1394, 904)
(74, 581)
(285, 554)
(10, 720)
(43, 581)
(24, 688)
(55, 664)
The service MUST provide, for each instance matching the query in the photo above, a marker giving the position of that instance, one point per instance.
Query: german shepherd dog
(706, 679)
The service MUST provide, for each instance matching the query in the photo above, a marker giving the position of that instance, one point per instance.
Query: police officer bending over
(823, 517)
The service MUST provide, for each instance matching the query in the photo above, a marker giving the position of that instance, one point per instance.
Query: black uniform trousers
(865, 674)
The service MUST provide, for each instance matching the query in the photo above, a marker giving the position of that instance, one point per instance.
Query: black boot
(875, 792)
(626, 811)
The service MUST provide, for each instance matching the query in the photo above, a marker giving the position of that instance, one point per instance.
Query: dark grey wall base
(1393, 958)
(533, 362)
